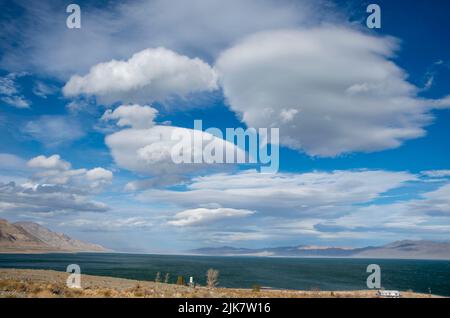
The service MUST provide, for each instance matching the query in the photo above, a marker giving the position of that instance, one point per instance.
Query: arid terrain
(29, 238)
(48, 284)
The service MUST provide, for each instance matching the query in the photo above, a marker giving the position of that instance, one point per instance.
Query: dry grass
(50, 284)
(17, 288)
(212, 277)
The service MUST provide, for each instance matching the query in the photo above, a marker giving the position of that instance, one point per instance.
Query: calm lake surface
(283, 273)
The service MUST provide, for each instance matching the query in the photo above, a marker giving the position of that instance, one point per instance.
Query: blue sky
(364, 155)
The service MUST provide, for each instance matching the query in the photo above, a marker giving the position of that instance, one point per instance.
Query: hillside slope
(13, 238)
(28, 237)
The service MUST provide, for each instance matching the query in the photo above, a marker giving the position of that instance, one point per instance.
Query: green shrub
(256, 287)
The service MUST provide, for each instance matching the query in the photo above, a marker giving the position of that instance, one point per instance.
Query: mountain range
(406, 249)
(29, 237)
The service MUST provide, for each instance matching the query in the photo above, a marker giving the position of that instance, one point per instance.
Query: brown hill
(13, 237)
(28, 237)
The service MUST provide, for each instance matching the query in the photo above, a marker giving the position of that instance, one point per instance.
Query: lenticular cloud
(331, 90)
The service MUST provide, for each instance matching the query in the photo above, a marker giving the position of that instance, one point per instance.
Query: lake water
(283, 273)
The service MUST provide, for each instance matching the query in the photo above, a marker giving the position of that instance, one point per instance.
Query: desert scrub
(7, 285)
(75, 293)
(256, 288)
(212, 277)
(180, 281)
(35, 288)
(158, 277)
(133, 289)
(105, 292)
(56, 289)
(12, 285)
(139, 291)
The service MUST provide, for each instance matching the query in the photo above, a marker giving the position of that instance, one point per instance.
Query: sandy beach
(19, 283)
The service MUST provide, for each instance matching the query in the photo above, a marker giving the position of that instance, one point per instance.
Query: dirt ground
(18, 283)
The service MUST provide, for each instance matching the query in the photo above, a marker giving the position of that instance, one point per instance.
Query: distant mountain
(28, 237)
(289, 251)
(397, 250)
(410, 250)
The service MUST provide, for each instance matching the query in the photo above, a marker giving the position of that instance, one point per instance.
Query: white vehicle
(389, 293)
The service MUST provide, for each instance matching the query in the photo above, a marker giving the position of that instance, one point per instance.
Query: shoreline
(24, 283)
(36, 252)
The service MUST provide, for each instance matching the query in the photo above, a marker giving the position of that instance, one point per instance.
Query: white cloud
(62, 177)
(99, 174)
(284, 195)
(99, 177)
(149, 75)
(135, 116)
(45, 198)
(339, 206)
(424, 217)
(109, 224)
(55, 188)
(163, 181)
(436, 173)
(427, 216)
(330, 90)
(149, 151)
(227, 237)
(54, 170)
(16, 101)
(10, 92)
(11, 162)
(201, 216)
(82, 106)
(53, 130)
(43, 90)
(51, 162)
(288, 115)
(7, 86)
(436, 202)
(125, 28)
